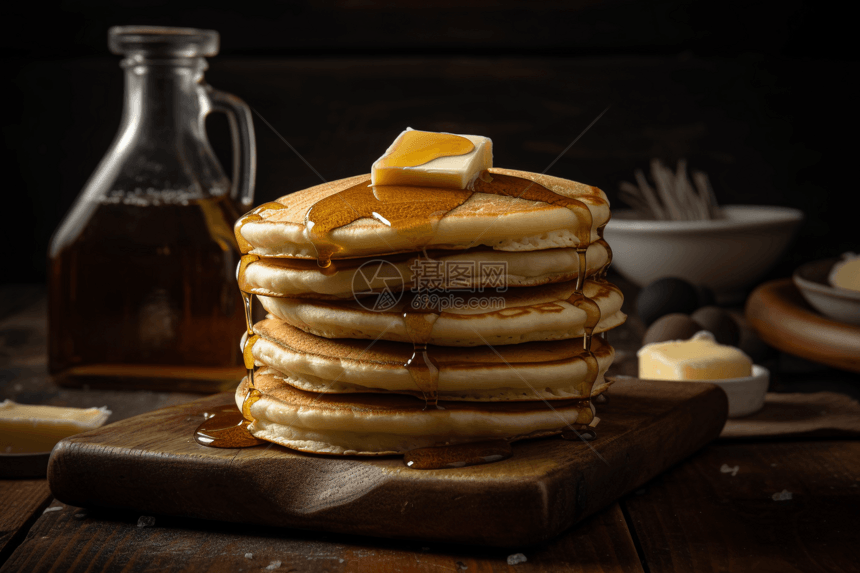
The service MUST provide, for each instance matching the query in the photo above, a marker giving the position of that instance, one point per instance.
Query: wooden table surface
(751, 505)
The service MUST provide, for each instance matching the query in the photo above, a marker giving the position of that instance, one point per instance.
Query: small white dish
(746, 395)
(728, 255)
(840, 304)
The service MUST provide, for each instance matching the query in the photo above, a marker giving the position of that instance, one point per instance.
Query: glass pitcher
(142, 278)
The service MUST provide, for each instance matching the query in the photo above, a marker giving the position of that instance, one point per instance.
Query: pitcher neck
(162, 95)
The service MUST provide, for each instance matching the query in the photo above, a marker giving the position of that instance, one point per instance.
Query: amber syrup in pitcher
(148, 292)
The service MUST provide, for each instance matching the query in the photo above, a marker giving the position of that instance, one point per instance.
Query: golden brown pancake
(350, 277)
(500, 222)
(553, 370)
(377, 424)
(473, 319)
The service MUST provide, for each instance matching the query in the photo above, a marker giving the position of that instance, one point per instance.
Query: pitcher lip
(163, 41)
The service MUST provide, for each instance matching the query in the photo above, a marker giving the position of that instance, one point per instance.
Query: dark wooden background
(756, 94)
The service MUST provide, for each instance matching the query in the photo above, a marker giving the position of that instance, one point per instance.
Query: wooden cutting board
(152, 465)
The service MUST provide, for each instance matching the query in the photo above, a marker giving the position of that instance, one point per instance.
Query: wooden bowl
(783, 319)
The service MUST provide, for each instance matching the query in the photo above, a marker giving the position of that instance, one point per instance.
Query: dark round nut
(719, 323)
(706, 296)
(675, 326)
(666, 296)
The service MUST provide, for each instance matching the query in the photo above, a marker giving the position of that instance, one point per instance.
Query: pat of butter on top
(699, 358)
(429, 159)
(26, 428)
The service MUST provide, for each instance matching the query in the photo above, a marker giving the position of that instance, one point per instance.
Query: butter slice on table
(35, 429)
(429, 159)
(700, 358)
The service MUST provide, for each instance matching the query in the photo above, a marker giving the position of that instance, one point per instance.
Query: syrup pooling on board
(227, 427)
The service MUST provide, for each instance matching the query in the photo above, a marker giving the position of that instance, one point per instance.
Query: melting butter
(428, 159)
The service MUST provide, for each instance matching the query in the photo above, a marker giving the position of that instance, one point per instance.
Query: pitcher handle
(244, 144)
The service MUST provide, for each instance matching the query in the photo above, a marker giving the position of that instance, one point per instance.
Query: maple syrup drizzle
(247, 350)
(413, 212)
(250, 338)
(416, 148)
(586, 422)
(511, 186)
(253, 215)
(525, 189)
(458, 455)
(601, 275)
(227, 427)
(418, 320)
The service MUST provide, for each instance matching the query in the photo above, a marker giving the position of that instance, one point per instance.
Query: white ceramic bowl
(728, 255)
(746, 395)
(842, 305)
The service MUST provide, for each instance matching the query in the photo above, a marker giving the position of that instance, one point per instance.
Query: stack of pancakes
(356, 357)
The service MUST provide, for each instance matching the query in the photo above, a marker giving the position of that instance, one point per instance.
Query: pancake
(374, 424)
(498, 221)
(295, 278)
(524, 315)
(553, 370)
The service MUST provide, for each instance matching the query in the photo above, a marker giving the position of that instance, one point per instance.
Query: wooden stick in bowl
(675, 197)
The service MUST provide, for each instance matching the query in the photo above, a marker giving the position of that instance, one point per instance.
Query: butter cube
(35, 429)
(846, 273)
(700, 358)
(429, 159)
